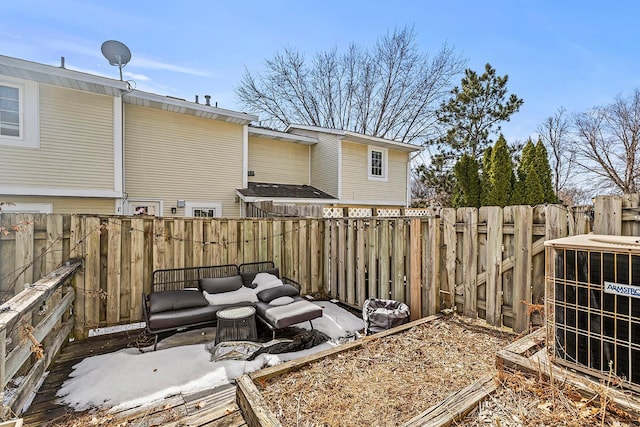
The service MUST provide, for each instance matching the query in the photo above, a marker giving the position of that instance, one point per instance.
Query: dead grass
(387, 381)
(527, 402)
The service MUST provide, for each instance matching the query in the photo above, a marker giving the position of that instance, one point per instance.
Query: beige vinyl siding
(356, 184)
(68, 205)
(76, 144)
(278, 162)
(324, 162)
(171, 156)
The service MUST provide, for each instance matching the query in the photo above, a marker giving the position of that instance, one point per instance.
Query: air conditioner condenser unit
(592, 305)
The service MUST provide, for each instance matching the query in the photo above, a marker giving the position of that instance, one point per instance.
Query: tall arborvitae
(529, 190)
(544, 172)
(499, 174)
(467, 172)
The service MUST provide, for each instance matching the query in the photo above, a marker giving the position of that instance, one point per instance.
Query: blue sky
(576, 54)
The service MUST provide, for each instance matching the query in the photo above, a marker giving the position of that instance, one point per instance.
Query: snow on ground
(336, 322)
(127, 378)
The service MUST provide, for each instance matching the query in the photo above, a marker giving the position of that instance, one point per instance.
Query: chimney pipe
(216, 104)
(197, 99)
(207, 100)
(62, 62)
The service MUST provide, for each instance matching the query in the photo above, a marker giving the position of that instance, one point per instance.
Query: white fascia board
(381, 142)
(50, 70)
(182, 104)
(399, 203)
(315, 129)
(15, 190)
(282, 136)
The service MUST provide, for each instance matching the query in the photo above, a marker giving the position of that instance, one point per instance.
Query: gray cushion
(175, 300)
(217, 285)
(247, 278)
(270, 294)
(282, 316)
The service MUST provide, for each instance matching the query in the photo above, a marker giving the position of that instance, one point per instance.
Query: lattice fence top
(360, 212)
(389, 212)
(418, 212)
(332, 212)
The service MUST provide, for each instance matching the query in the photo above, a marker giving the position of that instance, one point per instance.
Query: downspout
(118, 154)
(245, 164)
(309, 164)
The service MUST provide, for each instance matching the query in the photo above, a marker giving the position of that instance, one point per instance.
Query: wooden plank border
(250, 400)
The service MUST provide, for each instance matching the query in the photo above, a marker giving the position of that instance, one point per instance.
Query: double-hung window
(377, 164)
(19, 113)
(10, 123)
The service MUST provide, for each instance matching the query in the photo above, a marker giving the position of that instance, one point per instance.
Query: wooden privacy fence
(487, 262)
(484, 262)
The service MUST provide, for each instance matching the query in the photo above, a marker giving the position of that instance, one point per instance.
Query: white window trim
(130, 202)
(190, 206)
(29, 114)
(46, 208)
(385, 164)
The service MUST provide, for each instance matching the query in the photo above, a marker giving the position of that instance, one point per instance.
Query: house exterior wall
(171, 156)
(356, 186)
(76, 147)
(65, 205)
(278, 162)
(325, 160)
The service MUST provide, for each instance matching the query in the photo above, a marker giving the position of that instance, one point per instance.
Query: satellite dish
(117, 53)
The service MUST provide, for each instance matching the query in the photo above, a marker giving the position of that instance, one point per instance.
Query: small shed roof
(257, 191)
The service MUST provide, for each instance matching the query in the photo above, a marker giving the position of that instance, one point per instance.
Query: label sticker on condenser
(619, 289)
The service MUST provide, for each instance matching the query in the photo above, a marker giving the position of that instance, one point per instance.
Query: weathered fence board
(494, 220)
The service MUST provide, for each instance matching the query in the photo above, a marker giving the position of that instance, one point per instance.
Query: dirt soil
(390, 380)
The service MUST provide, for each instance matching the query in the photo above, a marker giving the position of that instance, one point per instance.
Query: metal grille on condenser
(592, 328)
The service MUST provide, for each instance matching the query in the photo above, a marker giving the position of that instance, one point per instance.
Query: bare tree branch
(555, 133)
(391, 91)
(607, 143)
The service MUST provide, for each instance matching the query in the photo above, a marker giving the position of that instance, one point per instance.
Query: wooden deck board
(216, 407)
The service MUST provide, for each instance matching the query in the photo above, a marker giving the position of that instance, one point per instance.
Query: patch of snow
(336, 322)
(128, 378)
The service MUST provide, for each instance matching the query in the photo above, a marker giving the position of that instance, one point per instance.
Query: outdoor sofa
(190, 297)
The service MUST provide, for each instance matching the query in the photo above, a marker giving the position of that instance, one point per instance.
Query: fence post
(24, 250)
(523, 219)
(449, 240)
(113, 271)
(432, 278)
(415, 282)
(495, 222)
(470, 261)
(555, 222)
(608, 215)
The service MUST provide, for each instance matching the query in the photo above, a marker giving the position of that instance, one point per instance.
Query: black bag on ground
(383, 314)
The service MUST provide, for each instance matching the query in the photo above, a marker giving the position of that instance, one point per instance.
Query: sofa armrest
(291, 282)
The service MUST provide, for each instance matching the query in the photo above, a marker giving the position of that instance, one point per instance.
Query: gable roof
(64, 77)
(281, 192)
(358, 137)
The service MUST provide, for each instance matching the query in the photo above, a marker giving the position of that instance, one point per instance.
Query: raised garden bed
(431, 369)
